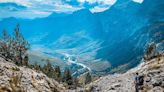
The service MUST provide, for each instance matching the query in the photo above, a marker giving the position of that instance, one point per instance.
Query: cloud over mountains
(42, 8)
(34, 8)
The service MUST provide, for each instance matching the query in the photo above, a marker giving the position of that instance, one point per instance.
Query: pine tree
(57, 74)
(48, 69)
(67, 78)
(20, 46)
(150, 51)
(88, 78)
(14, 48)
(5, 44)
(37, 67)
(26, 61)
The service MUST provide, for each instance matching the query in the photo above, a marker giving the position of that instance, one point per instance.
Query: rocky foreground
(22, 79)
(153, 70)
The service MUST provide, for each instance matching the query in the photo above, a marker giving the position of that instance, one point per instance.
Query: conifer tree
(57, 73)
(67, 78)
(88, 78)
(5, 42)
(20, 46)
(150, 51)
(26, 61)
(37, 67)
(48, 69)
(14, 47)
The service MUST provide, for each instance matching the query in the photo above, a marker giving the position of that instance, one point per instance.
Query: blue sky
(43, 8)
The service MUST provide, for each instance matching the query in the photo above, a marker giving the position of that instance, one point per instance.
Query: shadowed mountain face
(115, 37)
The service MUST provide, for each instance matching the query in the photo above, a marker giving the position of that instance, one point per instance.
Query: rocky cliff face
(22, 79)
(153, 71)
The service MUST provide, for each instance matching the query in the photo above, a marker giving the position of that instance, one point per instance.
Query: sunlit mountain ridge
(115, 37)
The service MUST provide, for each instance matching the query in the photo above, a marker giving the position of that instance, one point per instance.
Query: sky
(43, 8)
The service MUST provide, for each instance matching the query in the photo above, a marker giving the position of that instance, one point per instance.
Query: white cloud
(98, 9)
(107, 2)
(30, 14)
(139, 1)
(20, 2)
(42, 8)
(43, 5)
(103, 5)
(65, 7)
(37, 8)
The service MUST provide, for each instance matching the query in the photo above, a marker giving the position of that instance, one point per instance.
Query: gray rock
(29, 80)
(154, 81)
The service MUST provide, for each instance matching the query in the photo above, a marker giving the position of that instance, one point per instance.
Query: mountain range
(103, 41)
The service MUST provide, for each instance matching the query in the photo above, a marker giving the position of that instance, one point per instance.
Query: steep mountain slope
(129, 28)
(153, 70)
(55, 25)
(120, 23)
(62, 34)
(22, 79)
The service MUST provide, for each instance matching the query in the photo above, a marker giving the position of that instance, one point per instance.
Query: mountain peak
(83, 11)
(55, 14)
(123, 3)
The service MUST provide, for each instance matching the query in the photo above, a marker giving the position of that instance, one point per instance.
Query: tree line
(14, 48)
(62, 77)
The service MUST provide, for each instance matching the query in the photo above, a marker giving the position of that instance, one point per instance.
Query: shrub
(15, 69)
(15, 83)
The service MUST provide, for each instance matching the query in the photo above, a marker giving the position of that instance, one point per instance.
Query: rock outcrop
(23, 79)
(153, 71)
